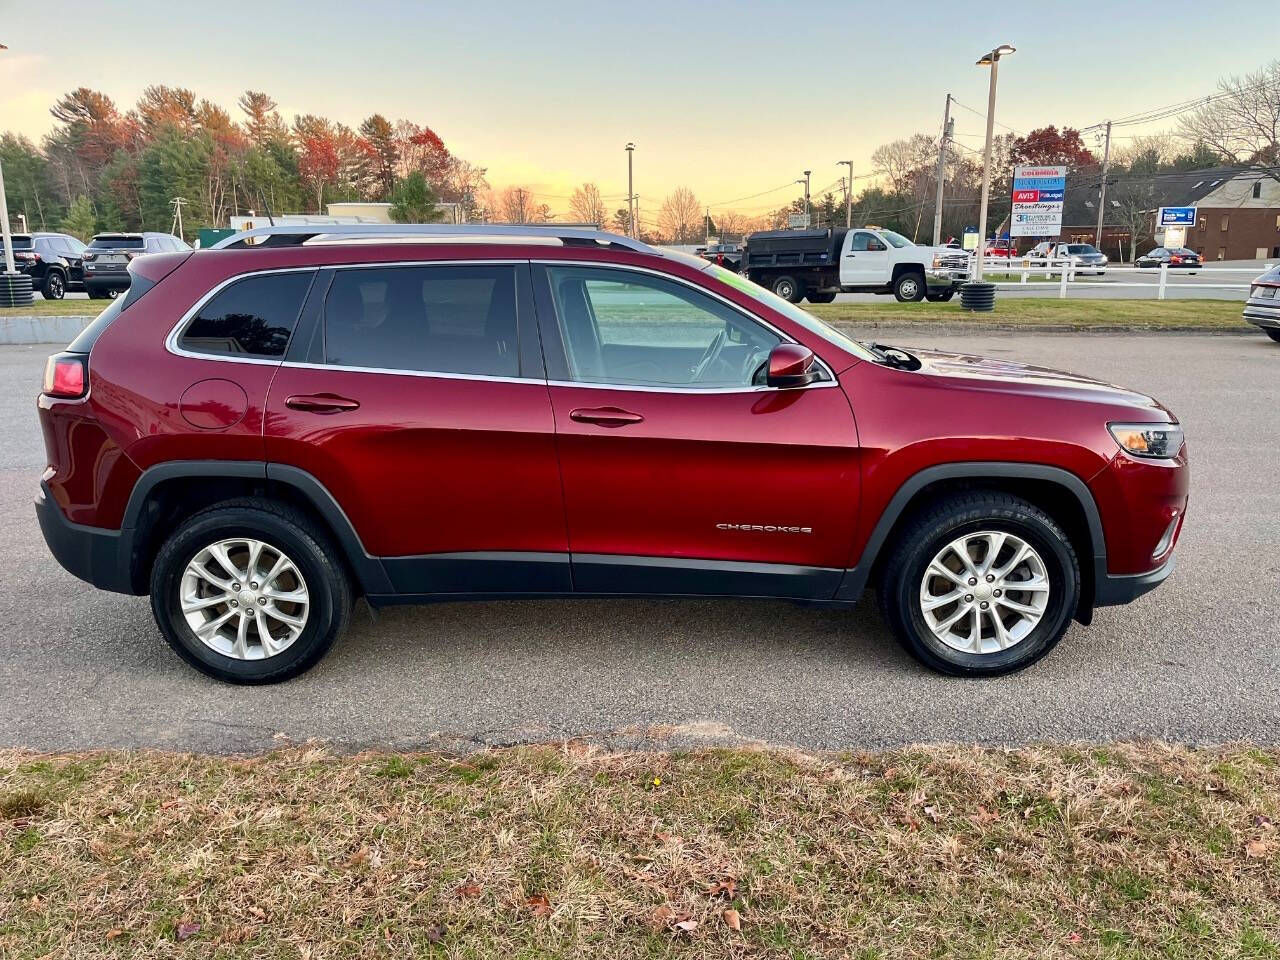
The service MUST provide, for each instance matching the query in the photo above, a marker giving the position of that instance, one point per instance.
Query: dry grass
(72, 307)
(1125, 851)
(1022, 312)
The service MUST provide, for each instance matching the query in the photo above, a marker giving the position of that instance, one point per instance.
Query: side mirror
(791, 365)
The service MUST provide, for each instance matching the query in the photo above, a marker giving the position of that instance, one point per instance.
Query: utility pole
(848, 193)
(9, 268)
(176, 225)
(707, 224)
(632, 230)
(806, 193)
(1102, 191)
(947, 129)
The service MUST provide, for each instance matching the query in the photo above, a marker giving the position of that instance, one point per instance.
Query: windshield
(897, 239)
(1081, 248)
(116, 242)
(791, 311)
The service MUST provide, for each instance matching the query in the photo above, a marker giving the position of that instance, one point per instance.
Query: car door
(865, 261)
(413, 403)
(73, 251)
(682, 472)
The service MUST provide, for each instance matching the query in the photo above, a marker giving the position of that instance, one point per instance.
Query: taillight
(89, 256)
(65, 376)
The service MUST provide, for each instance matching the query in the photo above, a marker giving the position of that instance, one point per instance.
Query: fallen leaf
(361, 856)
(114, 933)
(170, 804)
(687, 926)
(258, 914)
(1074, 937)
(661, 916)
(726, 888)
(984, 816)
(436, 934)
(932, 814)
(468, 890)
(733, 920)
(1263, 821)
(187, 930)
(539, 905)
(1256, 849)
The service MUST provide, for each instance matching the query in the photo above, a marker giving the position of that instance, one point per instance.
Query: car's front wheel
(55, 285)
(980, 584)
(250, 592)
(909, 288)
(1273, 333)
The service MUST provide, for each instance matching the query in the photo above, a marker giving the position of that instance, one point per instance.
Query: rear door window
(253, 317)
(432, 319)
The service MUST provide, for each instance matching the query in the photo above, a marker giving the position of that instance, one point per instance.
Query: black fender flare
(368, 570)
(856, 579)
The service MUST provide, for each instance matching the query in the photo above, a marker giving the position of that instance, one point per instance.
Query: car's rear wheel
(1273, 333)
(55, 285)
(789, 289)
(101, 294)
(909, 287)
(941, 296)
(826, 296)
(980, 584)
(250, 592)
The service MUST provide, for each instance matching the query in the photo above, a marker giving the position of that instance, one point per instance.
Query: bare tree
(585, 206)
(1242, 122)
(1133, 203)
(517, 205)
(680, 217)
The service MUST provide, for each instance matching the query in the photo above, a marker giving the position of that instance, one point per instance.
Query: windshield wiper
(893, 356)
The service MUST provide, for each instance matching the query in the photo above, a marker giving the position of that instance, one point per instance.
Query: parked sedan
(1085, 257)
(1173, 257)
(1262, 309)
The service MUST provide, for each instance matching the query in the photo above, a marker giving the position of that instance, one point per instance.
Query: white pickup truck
(818, 264)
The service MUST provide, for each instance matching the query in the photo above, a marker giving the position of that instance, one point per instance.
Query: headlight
(1155, 440)
(937, 261)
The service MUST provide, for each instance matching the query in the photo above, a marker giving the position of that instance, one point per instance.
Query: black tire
(909, 287)
(941, 296)
(102, 294)
(1273, 333)
(824, 297)
(283, 527)
(946, 520)
(788, 288)
(54, 286)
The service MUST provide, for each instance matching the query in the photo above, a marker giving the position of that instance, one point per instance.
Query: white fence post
(1062, 281)
(1164, 279)
(1026, 268)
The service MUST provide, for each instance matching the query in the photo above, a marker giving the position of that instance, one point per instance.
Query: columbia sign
(1038, 195)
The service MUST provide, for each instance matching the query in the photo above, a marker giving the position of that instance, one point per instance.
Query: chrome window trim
(676, 388)
(175, 333)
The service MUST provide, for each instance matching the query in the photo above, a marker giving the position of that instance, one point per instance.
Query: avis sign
(1038, 194)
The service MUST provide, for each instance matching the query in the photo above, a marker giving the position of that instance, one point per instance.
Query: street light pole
(848, 193)
(1102, 192)
(806, 196)
(631, 195)
(4, 229)
(991, 60)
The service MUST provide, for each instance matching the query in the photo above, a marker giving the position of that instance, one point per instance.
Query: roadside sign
(798, 221)
(1038, 195)
(970, 239)
(1176, 217)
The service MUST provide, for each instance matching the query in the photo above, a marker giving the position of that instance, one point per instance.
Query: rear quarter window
(253, 317)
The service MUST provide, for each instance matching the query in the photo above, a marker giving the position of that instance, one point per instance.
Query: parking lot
(1197, 660)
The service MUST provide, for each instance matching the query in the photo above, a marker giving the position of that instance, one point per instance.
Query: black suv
(52, 261)
(106, 261)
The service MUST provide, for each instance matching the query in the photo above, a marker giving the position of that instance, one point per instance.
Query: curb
(963, 327)
(41, 329)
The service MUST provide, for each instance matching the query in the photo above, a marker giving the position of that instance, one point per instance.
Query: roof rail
(296, 234)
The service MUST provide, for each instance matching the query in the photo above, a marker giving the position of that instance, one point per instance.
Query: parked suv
(106, 261)
(255, 436)
(51, 260)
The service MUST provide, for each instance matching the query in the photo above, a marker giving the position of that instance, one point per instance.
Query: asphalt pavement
(1197, 660)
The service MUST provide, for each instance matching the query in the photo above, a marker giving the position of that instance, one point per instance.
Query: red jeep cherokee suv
(257, 434)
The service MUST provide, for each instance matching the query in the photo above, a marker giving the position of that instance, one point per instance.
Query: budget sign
(1038, 194)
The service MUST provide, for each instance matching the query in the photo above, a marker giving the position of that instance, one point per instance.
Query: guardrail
(1066, 271)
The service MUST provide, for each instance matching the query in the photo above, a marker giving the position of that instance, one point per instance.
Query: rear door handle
(605, 416)
(321, 403)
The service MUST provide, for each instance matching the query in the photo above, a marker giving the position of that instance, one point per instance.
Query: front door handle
(321, 403)
(605, 416)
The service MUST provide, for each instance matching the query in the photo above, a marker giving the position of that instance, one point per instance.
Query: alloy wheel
(244, 598)
(984, 592)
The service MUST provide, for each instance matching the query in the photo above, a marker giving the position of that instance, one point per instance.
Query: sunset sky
(731, 99)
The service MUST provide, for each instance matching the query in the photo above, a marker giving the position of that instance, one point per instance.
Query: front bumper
(940, 277)
(96, 556)
(1114, 589)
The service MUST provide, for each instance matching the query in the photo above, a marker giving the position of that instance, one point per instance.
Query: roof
(1177, 188)
(295, 235)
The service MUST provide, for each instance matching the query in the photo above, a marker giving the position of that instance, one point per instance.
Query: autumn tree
(262, 124)
(680, 217)
(622, 221)
(378, 140)
(318, 164)
(1049, 145)
(585, 205)
(1241, 124)
(161, 106)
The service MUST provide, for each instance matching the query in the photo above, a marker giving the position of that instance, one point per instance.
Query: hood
(1008, 376)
